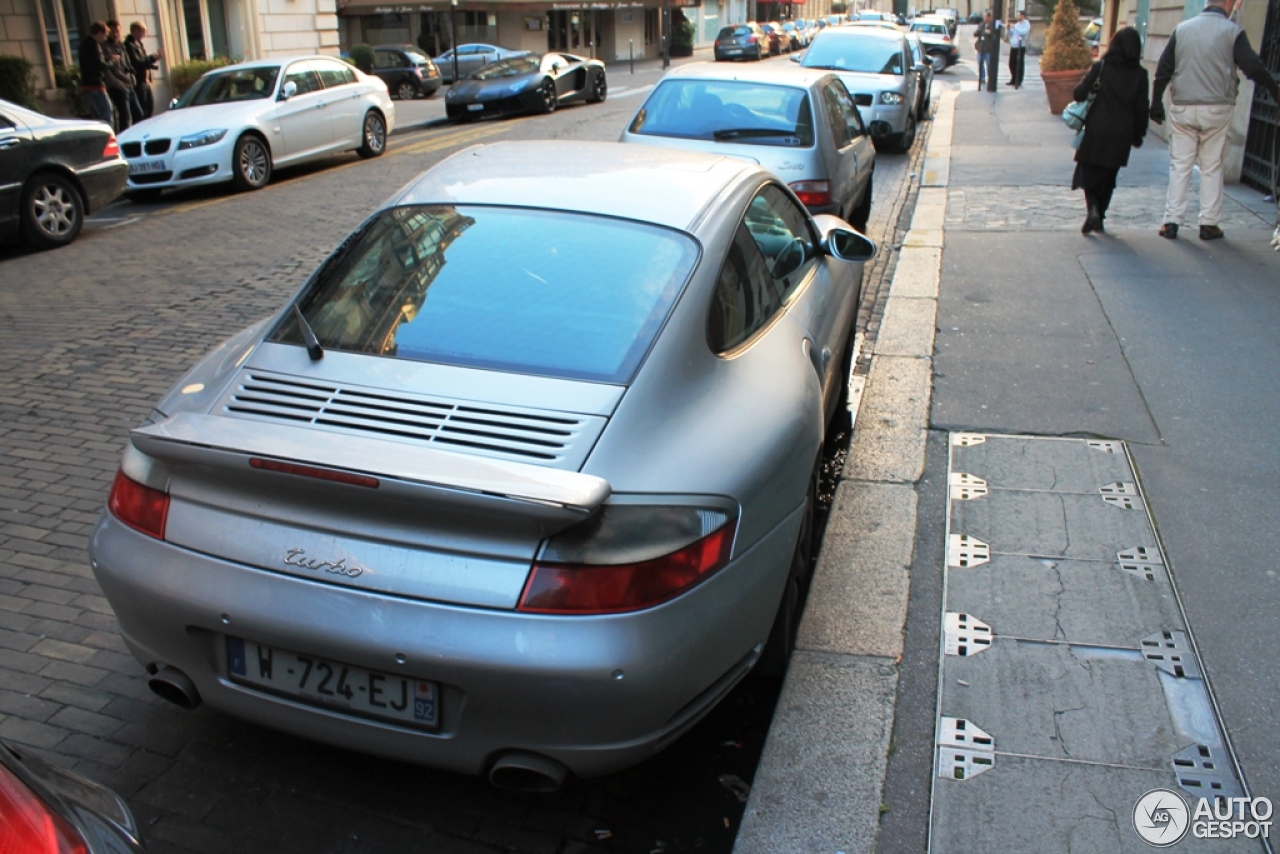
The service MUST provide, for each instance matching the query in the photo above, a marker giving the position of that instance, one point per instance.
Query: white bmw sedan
(240, 122)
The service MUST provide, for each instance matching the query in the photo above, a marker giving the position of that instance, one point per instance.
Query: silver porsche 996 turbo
(518, 483)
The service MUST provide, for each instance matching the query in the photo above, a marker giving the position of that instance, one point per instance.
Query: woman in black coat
(1117, 122)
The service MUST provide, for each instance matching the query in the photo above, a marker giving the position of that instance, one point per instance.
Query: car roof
(274, 61)
(665, 186)
(784, 75)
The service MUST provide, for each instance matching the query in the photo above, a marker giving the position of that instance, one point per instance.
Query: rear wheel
(374, 135)
(599, 89)
(52, 211)
(547, 102)
(406, 91)
(786, 624)
(251, 163)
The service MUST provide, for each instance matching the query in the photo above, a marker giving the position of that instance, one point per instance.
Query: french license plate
(146, 166)
(475, 108)
(321, 682)
(733, 50)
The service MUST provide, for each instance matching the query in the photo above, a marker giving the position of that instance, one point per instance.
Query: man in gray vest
(1199, 68)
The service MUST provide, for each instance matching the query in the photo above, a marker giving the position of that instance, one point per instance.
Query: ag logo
(1161, 818)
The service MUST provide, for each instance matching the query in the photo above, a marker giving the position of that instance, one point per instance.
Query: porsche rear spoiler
(549, 495)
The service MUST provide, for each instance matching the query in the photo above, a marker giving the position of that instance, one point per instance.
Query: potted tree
(1066, 58)
(681, 37)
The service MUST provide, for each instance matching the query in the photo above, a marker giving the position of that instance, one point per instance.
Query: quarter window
(745, 299)
(781, 231)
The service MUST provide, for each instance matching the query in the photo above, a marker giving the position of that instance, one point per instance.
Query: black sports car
(54, 173)
(527, 84)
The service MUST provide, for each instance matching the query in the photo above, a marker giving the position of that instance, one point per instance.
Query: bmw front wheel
(250, 163)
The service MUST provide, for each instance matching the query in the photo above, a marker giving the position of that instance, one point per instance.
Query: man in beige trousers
(1198, 67)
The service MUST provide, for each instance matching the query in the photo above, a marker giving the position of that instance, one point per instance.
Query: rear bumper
(103, 183)
(595, 693)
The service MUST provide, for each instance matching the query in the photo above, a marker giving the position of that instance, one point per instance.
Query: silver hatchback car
(800, 125)
(519, 483)
(877, 67)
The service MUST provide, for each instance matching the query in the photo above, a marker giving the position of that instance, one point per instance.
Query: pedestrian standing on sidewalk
(1198, 67)
(93, 71)
(1117, 121)
(985, 39)
(143, 64)
(1018, 35)
(119, 79)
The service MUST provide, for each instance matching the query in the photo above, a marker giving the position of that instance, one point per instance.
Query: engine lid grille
(557, 439)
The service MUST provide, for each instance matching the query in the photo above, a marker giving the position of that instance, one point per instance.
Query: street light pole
(453, 25)
(997, 20)
(666, 34)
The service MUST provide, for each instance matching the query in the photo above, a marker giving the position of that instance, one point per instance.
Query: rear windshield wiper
(742, 133)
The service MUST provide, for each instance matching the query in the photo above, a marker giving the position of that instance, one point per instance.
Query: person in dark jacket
(1117, 122)
(143, 64)
(93, 71)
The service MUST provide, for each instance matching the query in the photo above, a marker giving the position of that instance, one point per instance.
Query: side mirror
(173, 104)
(796, 57)
(920, 68)
(288, 90)
(848, 245)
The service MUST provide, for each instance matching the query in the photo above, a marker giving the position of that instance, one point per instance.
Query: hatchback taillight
(812, 193)
(27, 824)
(629, 557)
(112, 148)
(751, 40)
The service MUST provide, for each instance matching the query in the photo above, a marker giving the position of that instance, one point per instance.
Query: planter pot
(1060, 86)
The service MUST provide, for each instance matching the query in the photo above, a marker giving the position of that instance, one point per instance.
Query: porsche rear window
(511, 289)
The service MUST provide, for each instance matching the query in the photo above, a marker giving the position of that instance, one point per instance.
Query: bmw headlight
(204, 137)
(891, 98)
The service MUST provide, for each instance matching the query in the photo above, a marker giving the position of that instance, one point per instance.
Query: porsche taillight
(628, 558)
(140, 494)
(28, 825)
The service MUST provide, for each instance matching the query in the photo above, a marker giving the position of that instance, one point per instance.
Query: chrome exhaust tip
(175, 686)
(519, 771)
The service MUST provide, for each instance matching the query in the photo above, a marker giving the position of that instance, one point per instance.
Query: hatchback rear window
(527, 291)
(728, 111)
(730, 32)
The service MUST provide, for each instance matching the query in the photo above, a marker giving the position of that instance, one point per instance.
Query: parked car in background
(453, 470)
(45, 809)
(802, 126)
(407, 71)
(741, 41)
(974, 18)
(936, 37)
(779, 41)
(527, 84)
(239, 123)
(471, 58)
(806, 29)
(877, 68)
(794, 36)
(925, 66)
(55, 173)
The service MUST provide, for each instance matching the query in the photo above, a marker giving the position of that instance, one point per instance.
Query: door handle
(817, 358)
(9, 143)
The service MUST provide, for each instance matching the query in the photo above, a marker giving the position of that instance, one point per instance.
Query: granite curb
(820, 781)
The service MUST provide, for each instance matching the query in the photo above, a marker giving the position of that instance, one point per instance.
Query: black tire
(759, 53)
(547, 101)
(52, 211)
(861, 215)
(144, 197)
(902, 142)
(786, 624)
(373, 135)
(406, 90)
(250, 163)
(599, 89)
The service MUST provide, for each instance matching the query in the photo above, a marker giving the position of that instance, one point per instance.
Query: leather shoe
(1211, 232)
(1169, 230)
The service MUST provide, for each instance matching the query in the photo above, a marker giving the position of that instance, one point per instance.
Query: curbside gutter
(821, 777)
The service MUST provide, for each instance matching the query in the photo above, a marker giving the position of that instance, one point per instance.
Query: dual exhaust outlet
(514, 770)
